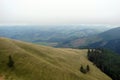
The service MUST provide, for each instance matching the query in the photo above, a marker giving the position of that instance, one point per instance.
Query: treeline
(107, 61)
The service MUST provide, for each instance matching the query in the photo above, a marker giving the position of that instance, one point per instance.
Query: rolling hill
(35, 62)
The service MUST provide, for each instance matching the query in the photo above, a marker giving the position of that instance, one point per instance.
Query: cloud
(59, 11)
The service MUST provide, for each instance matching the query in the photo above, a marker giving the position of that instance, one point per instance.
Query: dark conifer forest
(107, 61)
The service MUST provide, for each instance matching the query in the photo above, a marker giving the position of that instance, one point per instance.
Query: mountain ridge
(109, 39)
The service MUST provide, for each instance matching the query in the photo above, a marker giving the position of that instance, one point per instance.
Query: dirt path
(1, 77)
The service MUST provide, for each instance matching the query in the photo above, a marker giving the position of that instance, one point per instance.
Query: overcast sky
(60, 12)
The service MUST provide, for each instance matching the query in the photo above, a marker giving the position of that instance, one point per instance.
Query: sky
(59, 12)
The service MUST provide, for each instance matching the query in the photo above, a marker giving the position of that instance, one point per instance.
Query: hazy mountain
(111, 44)
(109, 39)
(111, 34)
(66, 35)
(51, 35)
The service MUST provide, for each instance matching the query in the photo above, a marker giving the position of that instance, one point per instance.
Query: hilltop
(35, 62)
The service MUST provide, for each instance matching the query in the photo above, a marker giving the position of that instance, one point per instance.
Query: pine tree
(10, 62)
(88, 68)
(88, 50)
(82, 69)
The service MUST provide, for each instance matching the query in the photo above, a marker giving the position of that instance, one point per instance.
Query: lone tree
(89, 51)
(88, 68)
(85, 70)
(10, 62)
(82, 69)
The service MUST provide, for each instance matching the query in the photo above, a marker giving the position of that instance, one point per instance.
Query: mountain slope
(111, 34)
(113, 45)
(106, 36)
(109, 39)
(34, 62)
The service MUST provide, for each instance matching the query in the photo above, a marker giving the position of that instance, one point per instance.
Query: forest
(107, 61)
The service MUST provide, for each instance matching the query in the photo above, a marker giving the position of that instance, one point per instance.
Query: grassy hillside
(35, 62)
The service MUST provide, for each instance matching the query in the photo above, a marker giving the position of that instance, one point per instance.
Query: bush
(10, 62)
(87, 69)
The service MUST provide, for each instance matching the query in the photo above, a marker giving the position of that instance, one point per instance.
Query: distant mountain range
(79, 36)
(51, 35)
(109, 39)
